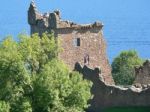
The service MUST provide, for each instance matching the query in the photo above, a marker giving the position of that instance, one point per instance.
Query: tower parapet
(33, 14)
(52, 21)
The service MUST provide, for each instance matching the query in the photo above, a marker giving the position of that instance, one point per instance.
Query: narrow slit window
(76, 42)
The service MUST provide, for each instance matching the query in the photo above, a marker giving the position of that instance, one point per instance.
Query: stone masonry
(143, 74)
(82, 44)
(107, 96)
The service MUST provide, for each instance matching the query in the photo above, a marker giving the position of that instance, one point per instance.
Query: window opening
(86, 59)
(76, 42)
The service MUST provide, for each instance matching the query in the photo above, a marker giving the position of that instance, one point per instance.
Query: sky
(13, 13)
(122, 19)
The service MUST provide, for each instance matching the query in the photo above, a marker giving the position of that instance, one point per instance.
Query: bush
(123, 67)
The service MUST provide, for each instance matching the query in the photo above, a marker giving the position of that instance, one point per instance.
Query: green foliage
(4, 107)
(21, 105)
(123, 67)
(32, 79)
(56, 90)
(36, 51)
(13, 75)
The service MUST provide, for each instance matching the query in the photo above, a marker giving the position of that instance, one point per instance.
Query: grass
(128, 109)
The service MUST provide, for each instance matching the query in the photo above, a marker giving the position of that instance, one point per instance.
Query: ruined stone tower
(82, 44)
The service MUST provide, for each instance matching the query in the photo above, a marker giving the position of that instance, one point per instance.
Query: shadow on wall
(107, 96)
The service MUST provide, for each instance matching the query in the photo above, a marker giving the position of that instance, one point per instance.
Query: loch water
(127, 34)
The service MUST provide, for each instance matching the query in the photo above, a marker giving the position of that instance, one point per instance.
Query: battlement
(53, 20)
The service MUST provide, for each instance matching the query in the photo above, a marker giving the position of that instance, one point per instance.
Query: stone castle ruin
(82, 44)
(143, 74)
(84, 49)
(107, 96)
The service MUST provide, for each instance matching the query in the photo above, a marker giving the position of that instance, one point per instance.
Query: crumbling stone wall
(92, 45)
(106, 96)
(143, 74)
(82, 44)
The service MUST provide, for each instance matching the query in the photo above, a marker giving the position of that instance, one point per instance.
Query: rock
(144, 86)
(137, 85)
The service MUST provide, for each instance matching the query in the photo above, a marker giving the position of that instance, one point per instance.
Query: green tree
(33, 79)
(14, 78)
(123, 67)
(4, 107)
(58, 90)
(37, 51)
(22, 105)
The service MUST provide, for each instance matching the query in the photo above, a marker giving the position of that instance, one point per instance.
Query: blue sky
(126, 22)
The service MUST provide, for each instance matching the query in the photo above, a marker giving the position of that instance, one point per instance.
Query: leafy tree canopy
(123, 67)
(4, 107)
(33, 79)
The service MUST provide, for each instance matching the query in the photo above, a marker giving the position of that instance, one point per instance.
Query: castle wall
(143, 74)
(107, 96)
(92, 44)
(39, 30)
